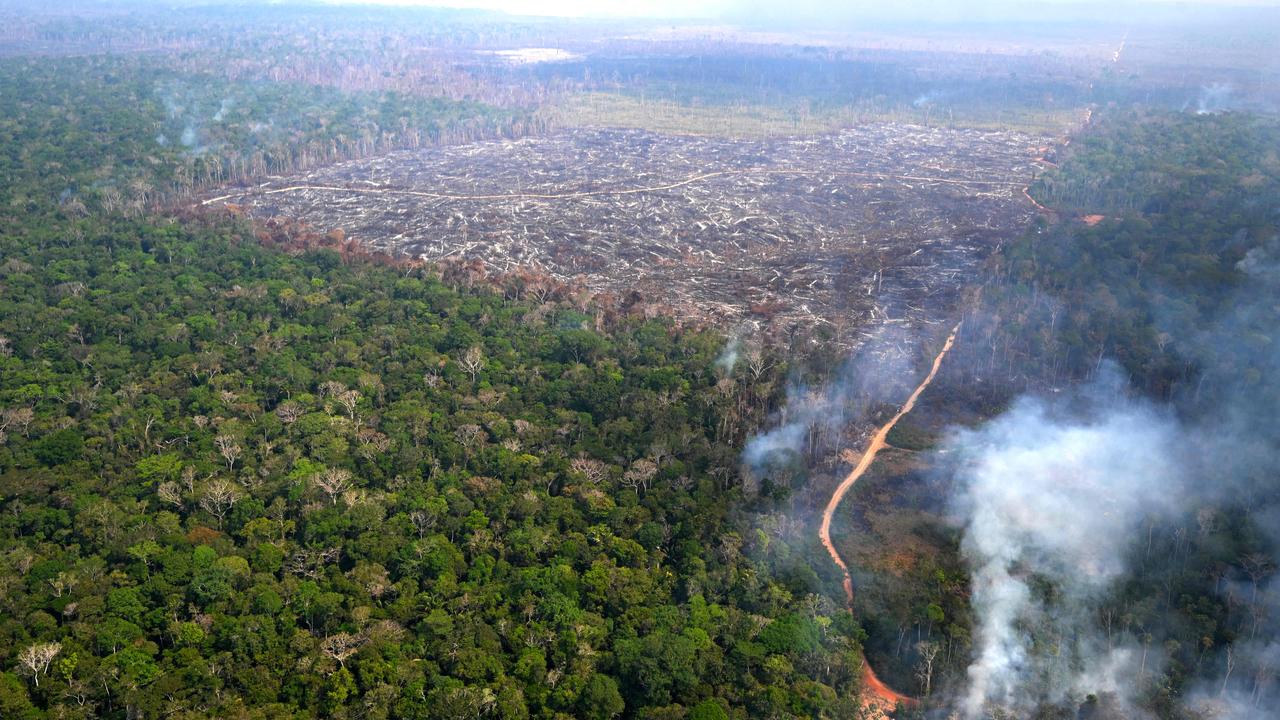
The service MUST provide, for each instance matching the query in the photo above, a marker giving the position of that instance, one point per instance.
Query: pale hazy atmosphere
(703, 360)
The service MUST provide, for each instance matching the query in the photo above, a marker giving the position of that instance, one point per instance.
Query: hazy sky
(798, 8)
(574, 8)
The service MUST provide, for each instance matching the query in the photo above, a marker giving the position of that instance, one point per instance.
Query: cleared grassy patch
(617, 110)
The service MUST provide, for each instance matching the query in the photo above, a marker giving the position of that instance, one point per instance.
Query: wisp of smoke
(930, 98)
(728, 357)
(880, 371)
(742, 338)
(1050, 501)
(227, 104)
(1214, 98)
(780, 439)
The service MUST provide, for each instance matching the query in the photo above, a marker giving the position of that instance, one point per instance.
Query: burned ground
(879, 224)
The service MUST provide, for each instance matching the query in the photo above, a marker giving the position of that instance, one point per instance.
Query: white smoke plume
(931, 97)
(880, 371)
(732, 352)
(1214, 98)
(1051, 501)
(1055, 497)
(188, 138)
(224, 108)
(728, 357)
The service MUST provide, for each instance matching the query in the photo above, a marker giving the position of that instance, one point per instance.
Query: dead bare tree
(229, 449)
(289, 411)
(36, 658)
(594, 471)
(372, 443)
(341, 646)
(757, 362)
(218, 498)
(311, 562)
(423, 521)
(473, 361)
(927, 651)
(333, 482)
(1258, 566)
(17, 418)
(1261, 679)
(331, 388)
(170, 492)
(111, 199)
(349, 400)
(638, 476)
(1231, 665)
(470, 436)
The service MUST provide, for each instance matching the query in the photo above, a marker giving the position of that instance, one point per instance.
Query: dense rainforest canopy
(236, 478)
(241, 481)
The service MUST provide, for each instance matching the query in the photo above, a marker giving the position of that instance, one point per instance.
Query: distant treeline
(126, 134)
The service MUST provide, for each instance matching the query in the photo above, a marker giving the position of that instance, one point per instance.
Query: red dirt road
(880, 695)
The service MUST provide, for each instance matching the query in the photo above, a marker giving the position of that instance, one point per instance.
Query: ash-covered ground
(883, 223)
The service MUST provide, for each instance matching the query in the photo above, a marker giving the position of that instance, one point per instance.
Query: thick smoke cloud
(1056, 499)
(1050, 498)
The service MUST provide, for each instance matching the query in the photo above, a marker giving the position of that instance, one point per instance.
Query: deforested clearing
(876, 223)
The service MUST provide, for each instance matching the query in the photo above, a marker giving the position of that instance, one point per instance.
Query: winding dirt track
(880, 695)
(612, 191)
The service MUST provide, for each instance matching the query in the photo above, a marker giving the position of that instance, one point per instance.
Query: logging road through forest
(882, 694)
